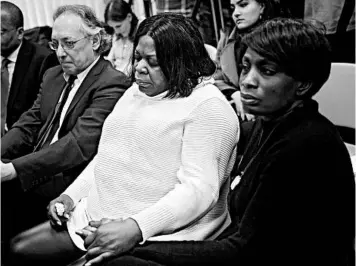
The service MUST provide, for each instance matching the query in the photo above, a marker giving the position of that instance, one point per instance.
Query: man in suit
(54, 140)
(21, 62)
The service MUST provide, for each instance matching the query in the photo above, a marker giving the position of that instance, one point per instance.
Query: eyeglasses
(66, 45)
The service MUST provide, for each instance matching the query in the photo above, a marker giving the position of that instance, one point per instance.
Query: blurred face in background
(148, 73)
(11, 37)
(246, 13)
(121, 28)
(265, 89)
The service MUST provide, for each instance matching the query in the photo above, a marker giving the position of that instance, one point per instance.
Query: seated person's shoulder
(314, 138)
(113, 76)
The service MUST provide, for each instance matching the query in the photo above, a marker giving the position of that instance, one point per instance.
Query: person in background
(293, 200)
(247, 14)
(119, 16)
(164, 157)
(199, 11)
(21, 63)
(339, 19)
(48, 147)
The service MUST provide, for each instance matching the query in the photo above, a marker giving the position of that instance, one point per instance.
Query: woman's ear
(262, 10)
(303, 88)
(96, 41)
(129, 17)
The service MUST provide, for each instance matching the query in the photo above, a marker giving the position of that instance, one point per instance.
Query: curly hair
(91, 24)
(180, 51)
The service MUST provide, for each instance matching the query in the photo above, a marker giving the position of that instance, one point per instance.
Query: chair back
(337, 99)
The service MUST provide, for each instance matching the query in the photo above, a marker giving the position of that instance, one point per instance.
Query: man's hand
(111, 239)
(58, 217)
(8, 171)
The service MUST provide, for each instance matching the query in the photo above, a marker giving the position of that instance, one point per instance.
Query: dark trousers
(128, 260)
(19, 211)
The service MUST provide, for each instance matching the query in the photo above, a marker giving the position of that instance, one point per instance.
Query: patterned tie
(5, 86)
(53, 125)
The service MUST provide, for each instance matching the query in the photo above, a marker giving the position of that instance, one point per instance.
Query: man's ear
(96, 41)
(303, 88)
(20, 33)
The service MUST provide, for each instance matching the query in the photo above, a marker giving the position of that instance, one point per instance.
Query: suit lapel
(22, 63)
(51, 96)
(85, 86)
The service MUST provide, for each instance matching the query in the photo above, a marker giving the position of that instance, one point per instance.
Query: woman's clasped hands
(108, 238)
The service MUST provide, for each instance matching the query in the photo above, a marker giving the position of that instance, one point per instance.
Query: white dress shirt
(11, 65)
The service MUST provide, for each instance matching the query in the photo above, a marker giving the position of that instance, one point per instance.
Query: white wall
(39, 12)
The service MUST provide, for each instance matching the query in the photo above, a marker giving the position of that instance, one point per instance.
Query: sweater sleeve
(82, 184)
(209, 137)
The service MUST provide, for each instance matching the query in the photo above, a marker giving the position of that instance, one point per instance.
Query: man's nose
(60, 51)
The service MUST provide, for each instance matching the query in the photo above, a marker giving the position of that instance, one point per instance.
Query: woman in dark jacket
(292, 201)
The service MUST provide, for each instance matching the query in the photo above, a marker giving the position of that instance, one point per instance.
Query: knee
(19, 246)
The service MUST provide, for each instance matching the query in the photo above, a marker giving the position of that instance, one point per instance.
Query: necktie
(5, 86)
(53, 125)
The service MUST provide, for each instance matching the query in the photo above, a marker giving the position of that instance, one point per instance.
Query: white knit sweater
(165, 163)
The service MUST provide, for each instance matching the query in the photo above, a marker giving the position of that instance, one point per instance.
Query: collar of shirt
(13, 56)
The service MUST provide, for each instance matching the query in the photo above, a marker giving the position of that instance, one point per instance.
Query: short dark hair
(15, 13)
(300, 48)
(180, 51)
(117, 10)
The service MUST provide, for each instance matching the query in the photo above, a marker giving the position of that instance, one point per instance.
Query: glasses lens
(68, 45)
(53, 45)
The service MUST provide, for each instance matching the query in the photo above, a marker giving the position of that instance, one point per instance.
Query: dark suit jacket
(26, 80)
(51, 169)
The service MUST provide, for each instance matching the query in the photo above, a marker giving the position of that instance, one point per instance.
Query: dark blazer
(26, 80)
(53, 168)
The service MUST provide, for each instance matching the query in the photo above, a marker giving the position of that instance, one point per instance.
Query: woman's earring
(260, 17)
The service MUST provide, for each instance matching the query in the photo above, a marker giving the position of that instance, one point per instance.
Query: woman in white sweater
(163, 162)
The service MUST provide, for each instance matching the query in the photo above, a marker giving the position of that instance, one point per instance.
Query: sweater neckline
(139, 94)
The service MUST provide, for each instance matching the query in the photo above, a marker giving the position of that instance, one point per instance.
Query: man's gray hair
(91, 24)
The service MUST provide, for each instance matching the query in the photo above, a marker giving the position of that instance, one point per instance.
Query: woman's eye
(243, 4)
(268, 71)
(244, 67)
(152, 63)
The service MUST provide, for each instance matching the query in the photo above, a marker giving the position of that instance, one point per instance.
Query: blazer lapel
(21, 66)
(87, 82)
(50, 98)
